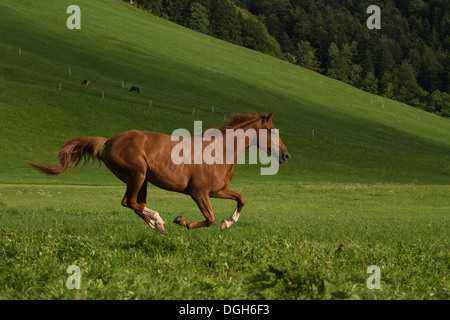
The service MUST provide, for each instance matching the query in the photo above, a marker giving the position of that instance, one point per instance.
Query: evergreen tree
(370, 83)
(429, 76)
(445, 107)
(198, 18)
(434, 101)
(334, 58)
(225, 22)
(406, 88)
(306, 56)
(255, 36)
(340, 64)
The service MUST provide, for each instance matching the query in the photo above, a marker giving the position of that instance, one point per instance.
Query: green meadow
(285, 246)
(368, 182)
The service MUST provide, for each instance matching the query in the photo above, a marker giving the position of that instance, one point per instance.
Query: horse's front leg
(230, 194)
(204, 205)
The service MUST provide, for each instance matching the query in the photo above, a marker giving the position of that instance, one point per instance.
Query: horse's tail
(72, 153)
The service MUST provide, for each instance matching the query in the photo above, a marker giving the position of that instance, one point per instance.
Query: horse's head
(271, 141)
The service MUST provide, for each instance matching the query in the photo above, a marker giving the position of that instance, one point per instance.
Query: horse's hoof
(179, 220)
(224, 226)
(159, 227)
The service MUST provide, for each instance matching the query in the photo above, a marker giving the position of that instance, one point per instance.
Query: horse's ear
(267, 118)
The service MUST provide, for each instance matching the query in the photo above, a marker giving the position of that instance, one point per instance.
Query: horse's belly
(168, 180)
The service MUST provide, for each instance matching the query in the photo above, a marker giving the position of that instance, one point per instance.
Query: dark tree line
(406, 60)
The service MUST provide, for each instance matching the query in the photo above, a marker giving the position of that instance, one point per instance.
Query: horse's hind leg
(136, 198)
(141, 202)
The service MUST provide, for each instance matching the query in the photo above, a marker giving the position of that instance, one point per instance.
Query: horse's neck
(250, 130)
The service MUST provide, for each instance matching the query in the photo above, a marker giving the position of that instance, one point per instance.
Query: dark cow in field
(133, 89)
(85, 82)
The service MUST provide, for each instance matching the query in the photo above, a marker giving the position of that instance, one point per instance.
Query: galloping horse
(139, 157)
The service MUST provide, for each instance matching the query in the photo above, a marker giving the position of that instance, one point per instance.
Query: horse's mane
(240, 118)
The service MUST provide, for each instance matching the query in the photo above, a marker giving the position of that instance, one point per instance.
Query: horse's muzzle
(284, 157)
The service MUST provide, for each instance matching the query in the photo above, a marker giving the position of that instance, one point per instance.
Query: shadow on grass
(303, 282)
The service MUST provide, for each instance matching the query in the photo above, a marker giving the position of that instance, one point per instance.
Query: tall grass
(306, 242)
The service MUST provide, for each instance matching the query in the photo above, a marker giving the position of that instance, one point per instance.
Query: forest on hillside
(406, 60)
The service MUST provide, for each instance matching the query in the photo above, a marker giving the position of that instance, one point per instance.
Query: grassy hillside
(357, 136)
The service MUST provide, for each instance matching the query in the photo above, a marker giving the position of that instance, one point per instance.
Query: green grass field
(375, 178)
(284, 246)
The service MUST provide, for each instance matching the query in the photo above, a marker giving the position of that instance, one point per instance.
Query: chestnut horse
(139, 157)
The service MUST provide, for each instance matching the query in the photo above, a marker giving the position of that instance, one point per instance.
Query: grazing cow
(86, 82)
(132, 89)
